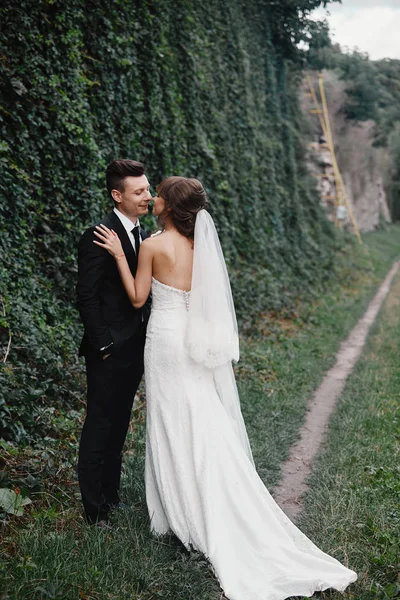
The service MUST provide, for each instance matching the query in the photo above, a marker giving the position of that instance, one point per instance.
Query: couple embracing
(201, 482)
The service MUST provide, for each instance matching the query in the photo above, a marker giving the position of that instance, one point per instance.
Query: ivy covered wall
(205, 90)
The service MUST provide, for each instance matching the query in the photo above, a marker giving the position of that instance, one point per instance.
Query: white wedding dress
(202, 485)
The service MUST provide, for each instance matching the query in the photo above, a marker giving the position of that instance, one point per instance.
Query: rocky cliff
(362, 166)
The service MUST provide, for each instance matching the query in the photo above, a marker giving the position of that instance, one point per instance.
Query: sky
(370, 25)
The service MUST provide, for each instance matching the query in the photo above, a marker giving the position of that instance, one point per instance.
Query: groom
(113, 342)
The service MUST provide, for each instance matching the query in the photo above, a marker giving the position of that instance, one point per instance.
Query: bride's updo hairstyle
(184, 198)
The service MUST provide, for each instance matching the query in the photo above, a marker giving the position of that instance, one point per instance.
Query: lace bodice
(167, 297)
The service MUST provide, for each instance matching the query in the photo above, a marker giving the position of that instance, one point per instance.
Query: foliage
(394, 187)
(282, 363)
(206, 90)
(355, 484)
(12, 502)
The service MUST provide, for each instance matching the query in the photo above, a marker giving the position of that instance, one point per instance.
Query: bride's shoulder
(162, 244)
(154, 241)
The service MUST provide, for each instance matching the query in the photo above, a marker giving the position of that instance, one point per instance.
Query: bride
(201, 482)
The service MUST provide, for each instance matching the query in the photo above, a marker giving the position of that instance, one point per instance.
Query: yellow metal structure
(323, 117)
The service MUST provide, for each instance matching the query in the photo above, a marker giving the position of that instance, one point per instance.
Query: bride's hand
(109, 240)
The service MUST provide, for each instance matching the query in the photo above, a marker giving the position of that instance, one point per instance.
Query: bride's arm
(137, 288)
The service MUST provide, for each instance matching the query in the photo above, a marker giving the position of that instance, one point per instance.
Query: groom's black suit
(109, 318)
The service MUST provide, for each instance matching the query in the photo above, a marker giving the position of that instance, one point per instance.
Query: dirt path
(295, 471)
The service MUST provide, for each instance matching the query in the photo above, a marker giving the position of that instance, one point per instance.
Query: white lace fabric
(200, 478)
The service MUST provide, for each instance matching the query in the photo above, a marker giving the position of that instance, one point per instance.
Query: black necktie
(135, 232)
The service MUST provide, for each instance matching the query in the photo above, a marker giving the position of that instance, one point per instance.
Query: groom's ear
(116, 195)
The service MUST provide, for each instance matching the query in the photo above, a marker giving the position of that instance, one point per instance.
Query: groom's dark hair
(117, 170)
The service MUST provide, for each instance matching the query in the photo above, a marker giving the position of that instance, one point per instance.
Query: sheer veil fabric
(212, 333)
(200, 477)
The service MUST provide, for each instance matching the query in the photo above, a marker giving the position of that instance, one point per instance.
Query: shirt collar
(127, 223)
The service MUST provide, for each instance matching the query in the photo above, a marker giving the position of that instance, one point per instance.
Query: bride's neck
(169, 226)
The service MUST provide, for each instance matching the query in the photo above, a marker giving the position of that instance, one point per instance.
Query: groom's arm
(92, 262)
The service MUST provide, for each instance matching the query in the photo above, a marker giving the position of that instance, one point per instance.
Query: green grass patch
(284, 361)
(352, 508)
(50, 553)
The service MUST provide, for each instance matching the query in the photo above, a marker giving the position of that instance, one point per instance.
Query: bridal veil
(212, 333)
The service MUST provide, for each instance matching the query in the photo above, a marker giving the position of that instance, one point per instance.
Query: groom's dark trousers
(110, 322)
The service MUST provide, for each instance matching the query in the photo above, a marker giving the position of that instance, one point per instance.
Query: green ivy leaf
(13, 503)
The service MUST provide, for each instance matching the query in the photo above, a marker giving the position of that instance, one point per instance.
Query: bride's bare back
(172, 259)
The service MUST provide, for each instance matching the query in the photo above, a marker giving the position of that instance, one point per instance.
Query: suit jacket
(106, 311)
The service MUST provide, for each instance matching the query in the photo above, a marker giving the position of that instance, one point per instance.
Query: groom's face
(134, 200)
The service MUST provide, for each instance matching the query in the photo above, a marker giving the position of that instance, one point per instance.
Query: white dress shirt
(128, 226)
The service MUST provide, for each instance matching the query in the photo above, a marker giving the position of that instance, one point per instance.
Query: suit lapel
(143, 234)
(125, 241)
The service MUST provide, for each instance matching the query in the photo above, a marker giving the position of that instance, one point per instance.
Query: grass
(353, 507)
(50, 553)
(284, 362)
